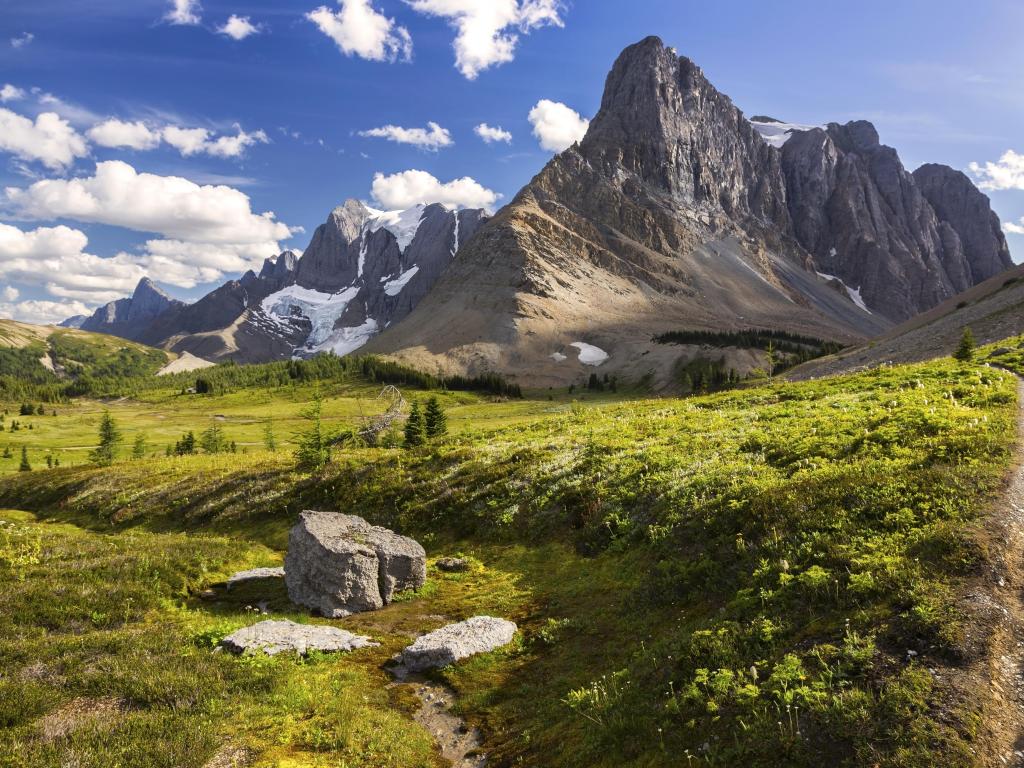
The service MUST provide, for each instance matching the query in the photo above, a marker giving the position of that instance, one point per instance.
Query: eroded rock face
(449, 644)
(906, 241)
(273, 637)
(340, 564)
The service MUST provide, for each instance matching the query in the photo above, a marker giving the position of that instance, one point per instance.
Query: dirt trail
(460, 745)
(1006, 663)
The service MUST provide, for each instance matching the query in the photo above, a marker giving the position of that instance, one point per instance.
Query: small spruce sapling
(269, 441)
(139, 447)
(435, 421)
(110, 438)
(314, 451)
(24, 466)
(965, 350)
(414, 430)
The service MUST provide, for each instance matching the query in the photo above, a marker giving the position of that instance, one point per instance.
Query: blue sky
(92, 204)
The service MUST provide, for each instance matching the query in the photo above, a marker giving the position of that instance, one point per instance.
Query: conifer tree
(139, 448)
(110, 437)
(269, 441)
(435, 421)
(965, 351)
(414, 432)
(25, 466)
(314, 451)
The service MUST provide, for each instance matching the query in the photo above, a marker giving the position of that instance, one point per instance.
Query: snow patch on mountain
(322, 310)
(394, 287)
(589, 354)
(346, 340)
(853, 293)
(777, 133)
(402, 224)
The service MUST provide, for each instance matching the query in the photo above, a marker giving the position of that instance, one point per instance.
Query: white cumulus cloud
(49, 140)
(185, 12)
(11, 93)
(55, 258)
(400, 191)
(10, 293)
(168, 205)
(119, 134)
(238, 27)
(1014, 229)
(25, 38)
(204, 231)
(195, 141)
(486, 29)
(358, 29)
(556, 126)
(433, 137)
(43, 312)
(1006, 173)
(491, 134)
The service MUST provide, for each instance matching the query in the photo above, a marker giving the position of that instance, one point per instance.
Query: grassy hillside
(764, 577)
(994, 310)
(51, 363)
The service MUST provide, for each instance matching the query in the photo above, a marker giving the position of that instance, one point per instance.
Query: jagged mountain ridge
(363, 270)
(906, 241)
(675, 212)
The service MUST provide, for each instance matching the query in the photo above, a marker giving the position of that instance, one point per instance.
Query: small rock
(207, 594)
(273, 637)
(254, 574)
(452, 564)
(457, 641)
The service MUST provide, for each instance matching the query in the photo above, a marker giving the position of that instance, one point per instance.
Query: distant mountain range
(364, 270)
(675, 212)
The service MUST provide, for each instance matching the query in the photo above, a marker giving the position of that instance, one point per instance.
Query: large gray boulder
(447, 645)
(340, 564)
(273, 637)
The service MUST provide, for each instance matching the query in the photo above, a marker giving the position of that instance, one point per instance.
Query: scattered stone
(457, 641)
(254, 575)
(340, 564)
(452, 564)
(273, 637)
(208, 594)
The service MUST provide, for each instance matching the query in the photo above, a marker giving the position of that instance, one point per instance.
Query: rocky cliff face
(961, 205)
(200, 328)
(671, 213)
(129, 317)
(363, 271)
(879, 228)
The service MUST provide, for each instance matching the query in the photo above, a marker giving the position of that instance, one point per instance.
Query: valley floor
(782, 576)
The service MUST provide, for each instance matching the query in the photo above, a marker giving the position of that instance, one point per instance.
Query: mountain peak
(146, 288)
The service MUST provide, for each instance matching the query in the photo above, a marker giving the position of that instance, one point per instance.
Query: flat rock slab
(457, 641)
(254, 575)
(273, 637)
(340, 564)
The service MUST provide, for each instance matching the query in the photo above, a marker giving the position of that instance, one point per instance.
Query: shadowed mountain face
(906, 241)
(129, 317)
(674, 212)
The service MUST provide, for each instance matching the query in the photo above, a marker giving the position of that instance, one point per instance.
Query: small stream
(459, 744)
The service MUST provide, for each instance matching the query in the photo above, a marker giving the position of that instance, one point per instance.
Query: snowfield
(777, 134)
(589, 354)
